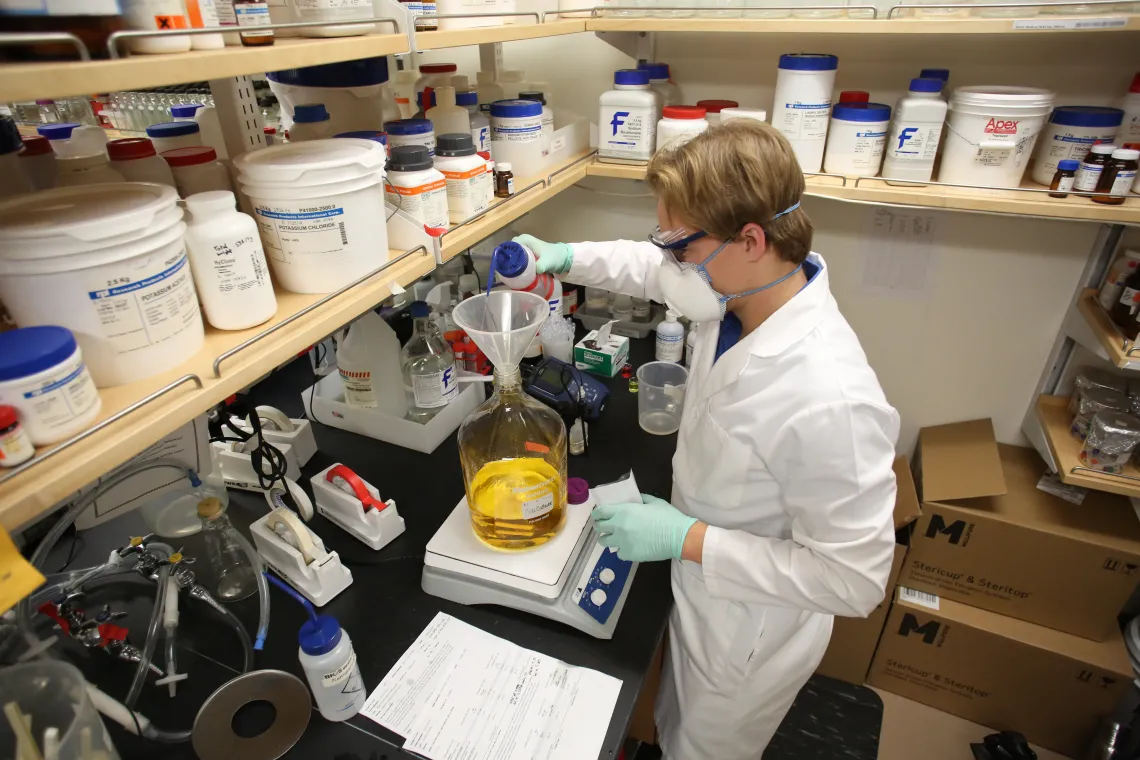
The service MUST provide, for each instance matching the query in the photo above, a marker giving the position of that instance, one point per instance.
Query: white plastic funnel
(502, 323)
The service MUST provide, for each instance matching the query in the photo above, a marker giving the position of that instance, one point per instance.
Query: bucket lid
(360, 73)
(1087, 116)
(281, 164)
(28, 350)
(514, 109)
(70, 220)
(1003, 96)
(862, 112)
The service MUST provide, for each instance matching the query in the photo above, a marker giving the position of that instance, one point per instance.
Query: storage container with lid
(678, 125)
(310, 122)
(318, 205)
(714, 107)
(990, 134)
(659, 82)
(42, 376)
(108, 262)
(74, 139)
(355, 93)
(37, 162)
(1071, 131)
(174, 134)
(197, 170)
(801, 107)
(414, 186)
(469, 184)
(85, 170)
(916, 131)
(856, 138)
(135, 158)
(627, 119)
(411, 132)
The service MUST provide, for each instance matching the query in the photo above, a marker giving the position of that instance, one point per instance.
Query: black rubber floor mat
(830, 720)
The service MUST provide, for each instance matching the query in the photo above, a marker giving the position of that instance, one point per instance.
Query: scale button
(598, 597)
(607, 576)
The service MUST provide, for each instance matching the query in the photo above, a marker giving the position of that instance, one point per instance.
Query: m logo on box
(956, 531)
(911, 625)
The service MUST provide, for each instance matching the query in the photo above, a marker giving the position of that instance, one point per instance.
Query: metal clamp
(597, 12)
(968, 6)
(114, 39)
(17, 39)
(96, 428)
(571, 165)
(311, 307)
(842, 178)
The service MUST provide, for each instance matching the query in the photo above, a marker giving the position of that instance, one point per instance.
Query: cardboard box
(988, 537)
(1002, 672)
(606, 360)
(853, 640)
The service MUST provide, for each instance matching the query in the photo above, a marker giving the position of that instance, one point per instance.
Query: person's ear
(755, 241)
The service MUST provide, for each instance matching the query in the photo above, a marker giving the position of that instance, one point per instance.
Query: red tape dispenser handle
(356, 485)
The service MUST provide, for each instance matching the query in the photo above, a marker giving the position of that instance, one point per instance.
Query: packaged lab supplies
(1111, 439)
(1093, 400)
(604, 359)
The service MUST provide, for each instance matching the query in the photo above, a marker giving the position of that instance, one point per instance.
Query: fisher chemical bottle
(430, 382)
(513, 447)
(516, 266)
(802, 105)
(915, 132)
(627, 121)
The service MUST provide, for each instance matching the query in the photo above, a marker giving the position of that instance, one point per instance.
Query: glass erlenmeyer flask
(512, 448)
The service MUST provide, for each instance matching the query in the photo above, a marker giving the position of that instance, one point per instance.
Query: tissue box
(605, 360)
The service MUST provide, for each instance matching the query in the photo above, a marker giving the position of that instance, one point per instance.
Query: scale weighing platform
(571, 578)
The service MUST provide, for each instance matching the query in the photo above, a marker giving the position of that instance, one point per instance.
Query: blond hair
(729, 175)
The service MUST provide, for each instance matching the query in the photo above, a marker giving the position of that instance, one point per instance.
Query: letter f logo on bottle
(905, 135)
(618, 119)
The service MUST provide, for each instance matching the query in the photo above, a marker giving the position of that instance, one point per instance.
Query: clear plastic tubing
(802, 104)
(151, 637)
(262, 589)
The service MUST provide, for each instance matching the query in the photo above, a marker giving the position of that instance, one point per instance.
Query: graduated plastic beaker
(660, 396)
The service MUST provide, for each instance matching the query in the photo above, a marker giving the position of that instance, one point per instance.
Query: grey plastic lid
(454, 144)
(533, 95)
(409, 158)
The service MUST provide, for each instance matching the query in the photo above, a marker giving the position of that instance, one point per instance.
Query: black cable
(319, 350)
(71, 550)
(269, 462)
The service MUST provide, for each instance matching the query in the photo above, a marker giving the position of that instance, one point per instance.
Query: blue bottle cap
(656, 70)
(29, 350)
(513, 109)
(926, 84)
(466, 98)
(360, 73)
(185, 111)
(1087, 116)
(631, 77)
(510, 259)
(404, 127)
(310, 113)
(865, 112)
(172, 129)
(809, 62)
(942, 75)
(420, 309)
(1069, 165)
(57, 131)
(319, 635)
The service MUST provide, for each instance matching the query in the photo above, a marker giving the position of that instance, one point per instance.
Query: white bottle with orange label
(413, 185)
(469, 184)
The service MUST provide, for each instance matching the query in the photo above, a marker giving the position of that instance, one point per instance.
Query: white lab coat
(785, 450)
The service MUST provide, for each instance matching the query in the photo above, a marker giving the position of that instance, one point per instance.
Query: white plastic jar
(310, 122)
(1071, 131)
(627, 119)
(174, 134)
(319, 206)
(802, 104)
(411, 132)
(414, 186)
(85, 170)
(990, 134)
(135, 158)
(916, 130)
(714, 107)
(516, 121)
(469, 185)
(108, 262)
(547, 117)
(228, 261)
(678, 125)
(856, 138)
(197, 170)
(755, 114)
(43, 376)
(660, 83)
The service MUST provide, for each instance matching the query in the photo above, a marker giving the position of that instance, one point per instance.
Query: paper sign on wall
(898, 254)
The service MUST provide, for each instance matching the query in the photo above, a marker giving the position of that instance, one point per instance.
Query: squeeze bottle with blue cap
(802, 104)
(517, 268)
(627, 119)
(915, 132)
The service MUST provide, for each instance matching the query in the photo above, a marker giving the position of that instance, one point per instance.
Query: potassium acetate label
(291, 230)
(803, 121)
(137, 312)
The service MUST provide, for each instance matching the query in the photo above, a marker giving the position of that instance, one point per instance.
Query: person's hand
(553, 258)
(652, 530)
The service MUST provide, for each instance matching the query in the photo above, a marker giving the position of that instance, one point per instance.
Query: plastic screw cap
(57, 131)
(130, 148)
(310, 113)
(716, 106)
(683, 112)
(319, 635)
(34, 145)
(191, 156)
(577, 490)
(859, 96)
(1069, 165)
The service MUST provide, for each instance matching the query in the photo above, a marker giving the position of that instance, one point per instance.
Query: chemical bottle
(468, 286)
(1130, 129)
(310, 122)
(627, 121)
(441, 302)
(488, 90)
(228, 262)
(368, 359)
(480, 124)
(547, 117)
(517, 267)
(915, 132)
(660, 83)
(330, 666)
(1118, 273)
(446, 117)
(85, 170)
(232, 571)
(430, 382)
(670, 339)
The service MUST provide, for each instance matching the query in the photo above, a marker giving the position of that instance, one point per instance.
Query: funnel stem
(508, 378)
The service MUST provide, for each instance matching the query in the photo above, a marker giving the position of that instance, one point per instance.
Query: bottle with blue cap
(310, 122)
(916, 132)
(480, 124)
(855, 139)
(801, 107)
(627, 119)
(1070, 133)
(517, 267)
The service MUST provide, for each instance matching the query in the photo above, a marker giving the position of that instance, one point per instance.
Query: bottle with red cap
(137, 160)
(197, 170)
(1130, 128)
(714, 107)
(854, 96)
(37, 162)
(678, 125)
(15, 446)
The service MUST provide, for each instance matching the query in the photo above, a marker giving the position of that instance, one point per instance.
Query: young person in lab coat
(780, 515)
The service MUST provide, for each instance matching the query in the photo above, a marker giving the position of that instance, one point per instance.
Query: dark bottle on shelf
(1127, 308)
(252, 14)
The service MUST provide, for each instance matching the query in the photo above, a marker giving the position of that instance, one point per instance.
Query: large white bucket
(990, 134)
(109, 263)
(320, 207)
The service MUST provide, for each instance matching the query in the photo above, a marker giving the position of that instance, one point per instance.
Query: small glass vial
(1092, 167)
(1116, 180)
(250, 15)
(1064, 178)
(15, 446)
(233, 573)
(504, 180)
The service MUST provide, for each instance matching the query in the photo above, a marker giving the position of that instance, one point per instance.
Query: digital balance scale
(571, 578)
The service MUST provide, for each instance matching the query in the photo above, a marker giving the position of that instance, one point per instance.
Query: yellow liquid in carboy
(517, 503)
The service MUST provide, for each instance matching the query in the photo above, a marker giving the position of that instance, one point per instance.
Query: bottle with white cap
(228, 262)
(670, 346)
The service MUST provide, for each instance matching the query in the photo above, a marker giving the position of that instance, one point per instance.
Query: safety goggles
(674, 240)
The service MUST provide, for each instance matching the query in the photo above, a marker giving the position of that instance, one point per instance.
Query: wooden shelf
(895, 26)
(482, 35)
(1121, 351)
(983, 200)
(1053, 412)
(28, 81)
